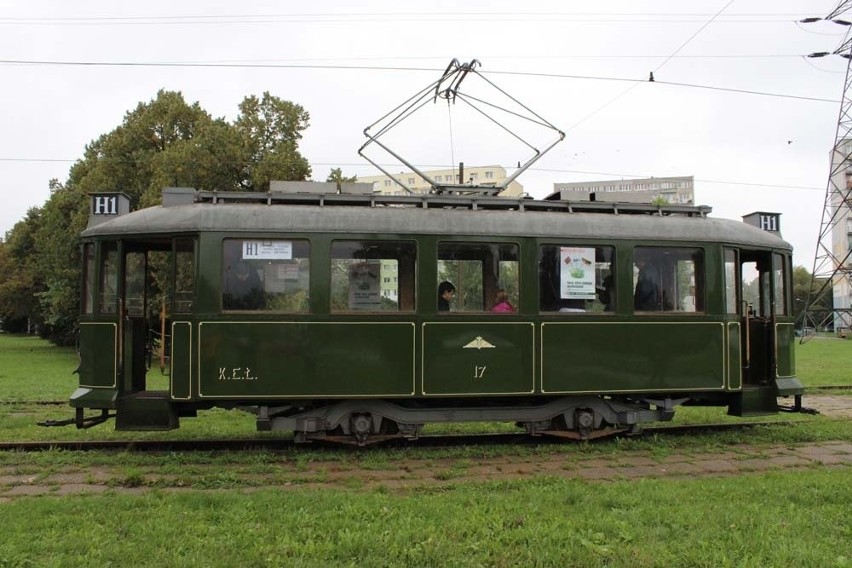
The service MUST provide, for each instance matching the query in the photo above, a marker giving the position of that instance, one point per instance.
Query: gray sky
(747, 152)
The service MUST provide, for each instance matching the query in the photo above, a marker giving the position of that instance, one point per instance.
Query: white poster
(267, 250)
(577, 276)
(365, 286)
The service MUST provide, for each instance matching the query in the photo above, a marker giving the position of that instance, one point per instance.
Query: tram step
(148, 410)
(754, 401)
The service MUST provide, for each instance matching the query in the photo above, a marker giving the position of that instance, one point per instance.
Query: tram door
(133, 327)
(157, 287)
(755, 310)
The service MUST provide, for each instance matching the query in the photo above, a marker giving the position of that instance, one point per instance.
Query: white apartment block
(473, 175)
(674, 190)
(841, 235)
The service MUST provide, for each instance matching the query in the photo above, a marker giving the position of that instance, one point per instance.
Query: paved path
(412, 473)
(832, 406)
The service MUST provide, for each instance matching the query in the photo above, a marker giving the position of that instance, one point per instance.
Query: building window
(489, 174)
(362, 273)
(483, 276)
(266, 275)
(576, 278)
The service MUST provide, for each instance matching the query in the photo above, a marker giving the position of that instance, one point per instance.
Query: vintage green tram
(319, 312)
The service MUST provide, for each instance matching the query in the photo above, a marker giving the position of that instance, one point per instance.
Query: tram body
(320, 313)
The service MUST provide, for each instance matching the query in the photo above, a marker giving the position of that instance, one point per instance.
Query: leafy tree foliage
(20, 287)
(270, 129)
(336, 176)
(162, 142)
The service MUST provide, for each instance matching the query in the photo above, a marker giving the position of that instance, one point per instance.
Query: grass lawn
(776, 519)
(824, 361)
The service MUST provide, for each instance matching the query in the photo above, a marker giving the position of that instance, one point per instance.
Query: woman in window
(503, 304)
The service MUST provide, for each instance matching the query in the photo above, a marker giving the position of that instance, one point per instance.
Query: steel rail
(279, 444)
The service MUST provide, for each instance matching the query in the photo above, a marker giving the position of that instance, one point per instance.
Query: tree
(163, 142)
(20, 286)
(270, 129)
(336, 176)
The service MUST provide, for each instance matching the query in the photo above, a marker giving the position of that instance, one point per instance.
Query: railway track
(280, 444)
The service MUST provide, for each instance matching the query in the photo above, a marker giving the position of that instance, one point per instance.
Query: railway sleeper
(365, 421)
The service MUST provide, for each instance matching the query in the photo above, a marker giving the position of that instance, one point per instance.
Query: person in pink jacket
(503, 304)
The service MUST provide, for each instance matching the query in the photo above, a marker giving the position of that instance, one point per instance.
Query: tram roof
(450, 215)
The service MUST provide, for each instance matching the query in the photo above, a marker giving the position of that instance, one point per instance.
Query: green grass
(776, 519)
(824, 361)
(33, 369)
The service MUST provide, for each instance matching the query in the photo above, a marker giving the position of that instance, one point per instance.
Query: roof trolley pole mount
(448, 87)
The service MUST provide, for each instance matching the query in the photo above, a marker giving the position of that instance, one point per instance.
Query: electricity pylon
(832, 271)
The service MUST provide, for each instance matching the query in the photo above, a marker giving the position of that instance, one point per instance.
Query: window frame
(699, 275)
(585, 311)
(305, 305)
(411, 301)
(488, 303)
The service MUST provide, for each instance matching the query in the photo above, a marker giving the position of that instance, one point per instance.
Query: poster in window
(577, 274)
(365, 286)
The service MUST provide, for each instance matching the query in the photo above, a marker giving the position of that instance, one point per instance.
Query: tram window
(779, 276)
(88, 278)
(268, 275)
(668, 280)
(731, 302)
(108, 298)
(372, 276)
(576, 279)
(485, 276)
(184, 275)
(134, 284)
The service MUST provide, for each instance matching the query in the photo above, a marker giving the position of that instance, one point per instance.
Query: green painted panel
(735, 364)
(629, 356)
(98, 363)
(478, 358)
(181, 359)
(266, 359)
(785, 340)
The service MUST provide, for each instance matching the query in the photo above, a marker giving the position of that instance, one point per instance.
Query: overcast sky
(747, 151)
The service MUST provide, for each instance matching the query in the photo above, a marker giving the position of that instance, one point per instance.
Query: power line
(379, 17)
(657, 68)
(390, 68)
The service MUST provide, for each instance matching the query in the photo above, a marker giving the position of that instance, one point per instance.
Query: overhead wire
(392, 68)
(348, 17)
(651, 78)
